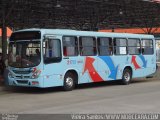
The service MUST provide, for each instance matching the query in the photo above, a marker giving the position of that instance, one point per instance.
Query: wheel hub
(69, 81)
(127, 77)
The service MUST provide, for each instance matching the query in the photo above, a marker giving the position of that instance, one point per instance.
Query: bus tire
(69, 81)
(127, 76)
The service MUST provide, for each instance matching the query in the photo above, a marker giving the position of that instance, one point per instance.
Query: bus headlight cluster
(10, 75)
(36, 74)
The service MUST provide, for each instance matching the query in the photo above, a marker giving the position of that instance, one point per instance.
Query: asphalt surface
(141, 96)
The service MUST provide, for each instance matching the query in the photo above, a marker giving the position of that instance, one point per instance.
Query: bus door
(52, 58)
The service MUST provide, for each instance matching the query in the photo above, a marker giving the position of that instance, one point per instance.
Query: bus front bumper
(26, 82)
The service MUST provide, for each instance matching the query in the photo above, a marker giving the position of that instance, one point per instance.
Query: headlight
(36, 73)
(10, 75)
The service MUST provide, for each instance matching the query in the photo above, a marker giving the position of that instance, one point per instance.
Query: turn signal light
(35, 82)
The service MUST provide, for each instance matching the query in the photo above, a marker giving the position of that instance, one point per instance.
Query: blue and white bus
(59, 57)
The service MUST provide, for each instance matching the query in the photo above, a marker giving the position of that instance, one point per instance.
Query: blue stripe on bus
(143, 60)
(112, 67)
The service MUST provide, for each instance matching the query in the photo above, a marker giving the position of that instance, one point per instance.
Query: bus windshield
(23, 54)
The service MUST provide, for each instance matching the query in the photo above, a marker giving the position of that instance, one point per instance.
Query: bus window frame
(56, 61)
(134, 46)
(105, 46)
(80, 45)
(143, 46)
(120, 46)
(77, 38)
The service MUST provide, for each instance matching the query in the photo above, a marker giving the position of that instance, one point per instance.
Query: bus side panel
(137, 65)
(150, 67)
(77, 64)
(134, 62)
(120, 61)
(112, 67)
(88, 70)
(144, 65)
(107, 68)
(52, 75)
(56, 71)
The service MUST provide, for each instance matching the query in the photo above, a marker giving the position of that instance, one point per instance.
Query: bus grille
(22, 81)
(21, 72)
(20, 77)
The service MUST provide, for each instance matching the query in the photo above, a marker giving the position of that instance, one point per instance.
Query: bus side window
(134, 46)
(147, 46)
(88, 46)
(105, 46)
(70, 46)
(120, 46)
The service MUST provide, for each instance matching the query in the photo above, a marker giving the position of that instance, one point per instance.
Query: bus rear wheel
(127, 76)
(69, 81)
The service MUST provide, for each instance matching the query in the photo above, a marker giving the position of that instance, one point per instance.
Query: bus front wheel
(127, 76)
(69, 81)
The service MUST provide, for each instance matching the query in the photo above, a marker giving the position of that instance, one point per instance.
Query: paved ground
(110, 97)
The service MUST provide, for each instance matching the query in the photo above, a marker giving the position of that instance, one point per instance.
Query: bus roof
(87, 33)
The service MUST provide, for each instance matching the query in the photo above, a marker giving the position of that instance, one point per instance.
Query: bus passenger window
(147, 47)
(105, 46)
(70, 46)
(120, 46)
(134, 46)
(88, 46)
